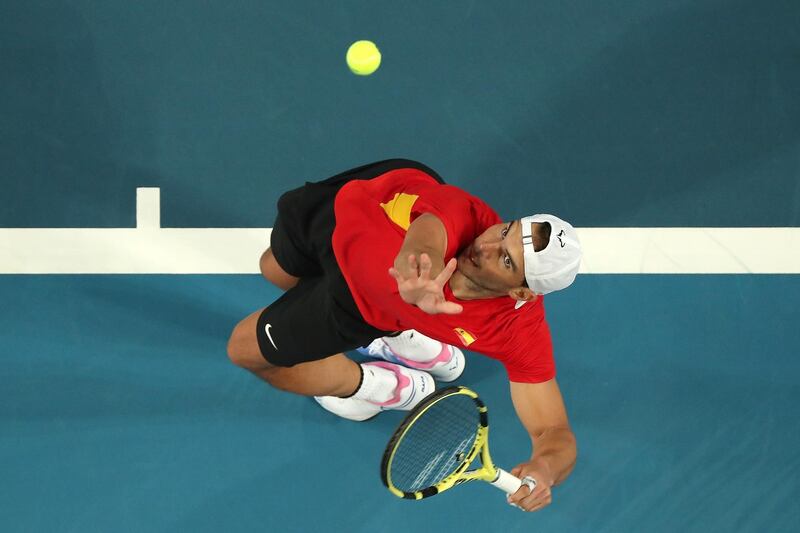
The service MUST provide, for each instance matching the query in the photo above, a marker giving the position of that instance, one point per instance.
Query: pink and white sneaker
(412, 387)
(349, 408)
(446, 366)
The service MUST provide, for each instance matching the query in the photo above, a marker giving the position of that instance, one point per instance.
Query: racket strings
(435, 444)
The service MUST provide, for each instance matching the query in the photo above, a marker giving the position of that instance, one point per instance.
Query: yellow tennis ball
(363, 58)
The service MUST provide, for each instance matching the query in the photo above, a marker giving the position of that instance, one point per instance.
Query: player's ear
(523, 294)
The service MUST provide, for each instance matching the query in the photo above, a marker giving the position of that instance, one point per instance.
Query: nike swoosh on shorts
(266, 329)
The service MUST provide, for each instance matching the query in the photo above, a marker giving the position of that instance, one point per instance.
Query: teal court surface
(143, 148)
(121, 413)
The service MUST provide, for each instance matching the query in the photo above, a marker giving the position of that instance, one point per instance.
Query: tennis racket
(434, 448)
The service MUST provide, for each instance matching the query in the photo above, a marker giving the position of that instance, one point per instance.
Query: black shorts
(317, 317)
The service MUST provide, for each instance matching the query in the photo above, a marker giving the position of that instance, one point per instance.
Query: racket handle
(506, 482)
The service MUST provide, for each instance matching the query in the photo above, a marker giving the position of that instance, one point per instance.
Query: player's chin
(461, 263)
(466, 266)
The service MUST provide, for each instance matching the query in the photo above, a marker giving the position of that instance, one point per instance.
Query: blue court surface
(120, 412)
(119, 409)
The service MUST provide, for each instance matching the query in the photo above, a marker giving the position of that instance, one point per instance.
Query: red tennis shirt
(372, 217)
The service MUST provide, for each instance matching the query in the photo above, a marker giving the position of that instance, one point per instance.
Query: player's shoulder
(522, 324)
(501, 320)
(519, 334)
(521, 312)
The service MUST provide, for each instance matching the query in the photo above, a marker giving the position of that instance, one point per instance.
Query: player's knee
(243, 350)
(234, 350)
(273, 272)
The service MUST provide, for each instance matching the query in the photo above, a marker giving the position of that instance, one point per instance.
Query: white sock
(377, 384)
(414, 346)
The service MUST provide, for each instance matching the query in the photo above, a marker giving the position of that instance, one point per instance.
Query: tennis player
(388, 257)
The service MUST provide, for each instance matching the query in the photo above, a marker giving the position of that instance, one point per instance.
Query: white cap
(555, 266)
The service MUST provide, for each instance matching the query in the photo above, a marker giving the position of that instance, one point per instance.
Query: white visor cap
(555, 266)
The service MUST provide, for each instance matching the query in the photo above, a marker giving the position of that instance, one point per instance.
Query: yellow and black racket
(434, 447)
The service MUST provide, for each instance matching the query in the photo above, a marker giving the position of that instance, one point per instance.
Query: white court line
(150, 249)
(148, 207)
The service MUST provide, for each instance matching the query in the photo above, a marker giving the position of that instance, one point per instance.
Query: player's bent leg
(340, 385)
(274, 273)
(335, 375)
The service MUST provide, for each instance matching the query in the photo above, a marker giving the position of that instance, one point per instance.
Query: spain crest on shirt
(466, 337)
(398, 209)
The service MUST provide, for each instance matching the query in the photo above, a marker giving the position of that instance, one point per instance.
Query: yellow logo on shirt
(467, 338)
(398, 209)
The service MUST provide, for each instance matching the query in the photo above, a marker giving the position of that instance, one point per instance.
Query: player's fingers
(534, 508)
(450, 308)
(424, 266)
(447, 272)
(539, 493)
(396, 274)
(412, 263)
(520, 495)
(537, 499)
(540, 504)
(524, 491)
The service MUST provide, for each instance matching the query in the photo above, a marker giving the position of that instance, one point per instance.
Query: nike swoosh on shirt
(266, 329)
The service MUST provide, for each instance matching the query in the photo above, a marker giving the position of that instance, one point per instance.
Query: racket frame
(487, 472)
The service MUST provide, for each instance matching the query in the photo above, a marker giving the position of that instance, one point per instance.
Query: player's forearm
(556, 450)
(427, 235)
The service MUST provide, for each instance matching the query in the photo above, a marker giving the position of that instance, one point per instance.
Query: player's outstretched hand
(416, 286)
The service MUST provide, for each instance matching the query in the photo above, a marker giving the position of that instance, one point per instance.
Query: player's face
(494, 260)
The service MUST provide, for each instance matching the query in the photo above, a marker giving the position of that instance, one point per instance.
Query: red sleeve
(530, 359)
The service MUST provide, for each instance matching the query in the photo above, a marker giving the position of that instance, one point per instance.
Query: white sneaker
(447, 366)
(412, 387)
(349, 408)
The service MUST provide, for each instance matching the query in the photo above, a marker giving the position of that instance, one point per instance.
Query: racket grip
(506, 482)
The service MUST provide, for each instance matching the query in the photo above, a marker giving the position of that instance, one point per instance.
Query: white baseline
(150, 249)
